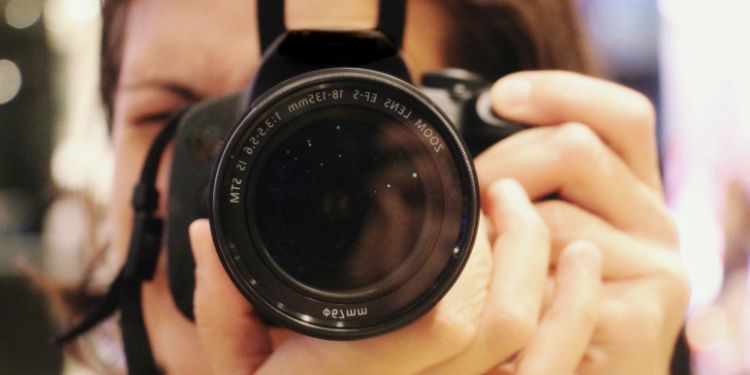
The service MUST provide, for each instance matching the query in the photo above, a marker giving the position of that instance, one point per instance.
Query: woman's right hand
(491, 312)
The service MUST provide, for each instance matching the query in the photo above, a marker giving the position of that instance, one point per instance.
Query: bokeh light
(23, 13)
(61, 16)
(10, 81)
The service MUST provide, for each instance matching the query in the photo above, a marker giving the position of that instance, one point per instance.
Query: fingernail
(588, 256)
(511, 94)
(196, 244)
(506, 190)
(509, 199)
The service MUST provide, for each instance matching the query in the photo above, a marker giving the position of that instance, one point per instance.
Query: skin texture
(589, 283)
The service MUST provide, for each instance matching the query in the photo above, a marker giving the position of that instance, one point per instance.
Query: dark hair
(506, 35)
(113, 33)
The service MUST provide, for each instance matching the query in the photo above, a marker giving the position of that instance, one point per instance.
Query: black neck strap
(271, 24)
(392, 19)
(145, 242)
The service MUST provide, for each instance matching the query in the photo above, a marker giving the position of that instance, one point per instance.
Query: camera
(342, 199)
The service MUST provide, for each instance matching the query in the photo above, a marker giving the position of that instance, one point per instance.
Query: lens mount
(344, 204)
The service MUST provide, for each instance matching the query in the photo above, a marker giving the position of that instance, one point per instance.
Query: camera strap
(271, 24)
(143, 253)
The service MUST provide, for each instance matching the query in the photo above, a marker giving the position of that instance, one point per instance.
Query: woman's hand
(594, 150)
(495, 301)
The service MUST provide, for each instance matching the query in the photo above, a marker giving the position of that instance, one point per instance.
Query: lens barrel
(344, 205)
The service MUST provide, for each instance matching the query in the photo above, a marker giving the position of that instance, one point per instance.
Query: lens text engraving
(428, 133)
(234, 190)
(397, 107)
(342, 314)
(368, 96)
(315, 98)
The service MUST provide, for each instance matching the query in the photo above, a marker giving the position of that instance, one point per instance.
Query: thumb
(233, 336)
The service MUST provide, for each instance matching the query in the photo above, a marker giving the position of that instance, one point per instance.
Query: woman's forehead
(214, 50)
(189, 41)
(217, 41)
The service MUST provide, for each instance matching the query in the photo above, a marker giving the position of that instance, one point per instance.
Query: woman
(589, 282)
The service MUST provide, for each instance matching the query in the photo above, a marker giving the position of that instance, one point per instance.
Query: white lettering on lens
(241, 165)
(428, 133)
(261, 132)
(234, 190)
(342, 314)
(367, 96)
(272, 120)
(397, 107)
(314, 98)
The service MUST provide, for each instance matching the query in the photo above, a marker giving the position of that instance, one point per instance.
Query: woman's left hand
(593, 149)
(598, 154)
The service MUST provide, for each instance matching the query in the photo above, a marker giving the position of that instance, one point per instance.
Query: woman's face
(179, 52)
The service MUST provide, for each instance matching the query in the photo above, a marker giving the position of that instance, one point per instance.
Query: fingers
(566, 328)
(622, 117)
(520, 264)
(232, 335)
(521, 258)
(624, 256)
(572, 161)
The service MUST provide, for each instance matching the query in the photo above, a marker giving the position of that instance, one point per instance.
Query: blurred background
(690, 57)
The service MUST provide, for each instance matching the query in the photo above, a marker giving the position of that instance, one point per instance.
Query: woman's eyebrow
(178, 89)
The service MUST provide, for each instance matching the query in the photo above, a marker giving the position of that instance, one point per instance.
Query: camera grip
(199, 138)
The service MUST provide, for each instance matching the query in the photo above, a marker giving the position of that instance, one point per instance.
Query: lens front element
(342, 199)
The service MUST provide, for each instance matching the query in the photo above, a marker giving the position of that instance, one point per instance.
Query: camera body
(342, 199)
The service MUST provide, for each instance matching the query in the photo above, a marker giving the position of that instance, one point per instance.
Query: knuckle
(588, 312)
(578, 144)
(683, 289)
(671, 232)
(454, 331)
(555, 213)
(589, 315)
(527, 225)
(646, 321)
(676, 283)
(536, 227)
(651, 317)
(613, 310)
(642, 113)
(630, 322)
(514, 325)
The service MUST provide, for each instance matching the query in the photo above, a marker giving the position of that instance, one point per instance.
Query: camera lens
(344, 204)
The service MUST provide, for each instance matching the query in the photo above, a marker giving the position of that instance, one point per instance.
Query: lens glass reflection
(342, 199)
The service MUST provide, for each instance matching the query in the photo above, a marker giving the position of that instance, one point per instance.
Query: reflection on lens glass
(341, 202)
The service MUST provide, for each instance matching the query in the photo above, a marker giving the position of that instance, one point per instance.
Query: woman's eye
(152, 118)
